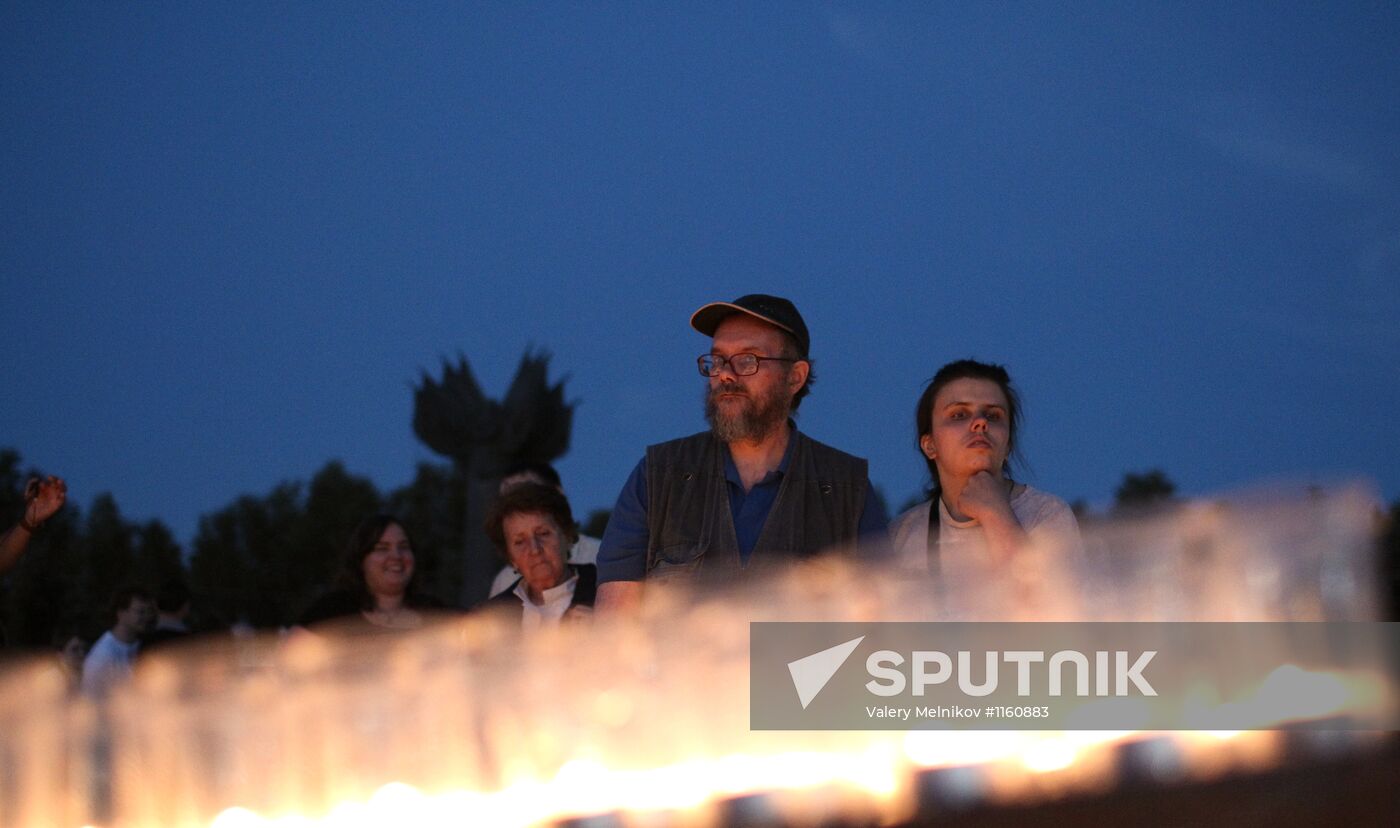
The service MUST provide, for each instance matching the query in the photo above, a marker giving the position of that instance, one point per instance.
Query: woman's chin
(390, 590)
(544, 578)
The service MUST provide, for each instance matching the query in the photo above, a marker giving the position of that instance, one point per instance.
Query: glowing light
(238, 818)
(480, 726)
(937, 748)
(1049, 755)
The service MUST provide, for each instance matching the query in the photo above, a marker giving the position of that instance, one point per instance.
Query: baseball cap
(774, 310)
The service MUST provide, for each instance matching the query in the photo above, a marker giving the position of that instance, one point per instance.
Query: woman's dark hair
(362, 541)
(967, 369)
(530, 498)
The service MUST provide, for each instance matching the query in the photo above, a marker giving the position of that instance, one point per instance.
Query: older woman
(533, 527)
(968, 420)
(377, 584)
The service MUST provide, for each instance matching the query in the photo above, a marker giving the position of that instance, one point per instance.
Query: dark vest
(691, 530)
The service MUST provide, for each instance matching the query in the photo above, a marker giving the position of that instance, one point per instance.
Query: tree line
(260, 560)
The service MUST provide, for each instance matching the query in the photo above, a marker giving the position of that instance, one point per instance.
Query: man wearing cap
(753, 489)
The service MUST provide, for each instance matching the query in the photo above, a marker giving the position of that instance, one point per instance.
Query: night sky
(233, 235)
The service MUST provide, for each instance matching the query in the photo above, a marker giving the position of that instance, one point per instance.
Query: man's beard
(752, 420)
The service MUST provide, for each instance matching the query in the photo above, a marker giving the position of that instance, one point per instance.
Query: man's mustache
(735, 390)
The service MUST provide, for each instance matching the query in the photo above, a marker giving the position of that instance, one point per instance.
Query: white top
(962, 549)
(585, 551)
(556, 603)
(108, 663)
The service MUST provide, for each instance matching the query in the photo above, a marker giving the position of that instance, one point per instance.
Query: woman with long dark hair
(378, 581)
(978, 517)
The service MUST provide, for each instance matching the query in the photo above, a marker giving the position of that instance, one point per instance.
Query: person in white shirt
(532, 526)
(111, 658)
(584, 549)
(979, 523)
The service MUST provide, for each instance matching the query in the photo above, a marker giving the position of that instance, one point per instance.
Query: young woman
(377, 584)
(978, 519)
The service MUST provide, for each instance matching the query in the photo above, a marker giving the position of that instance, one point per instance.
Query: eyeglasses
(743, 365)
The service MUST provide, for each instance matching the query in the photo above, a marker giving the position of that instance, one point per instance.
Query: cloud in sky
(1258, 132)
(859, 34)
(1250, 130)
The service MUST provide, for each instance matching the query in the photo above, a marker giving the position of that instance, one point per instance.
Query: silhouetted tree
(42, 593)
(432, 507)
(157, 557)
(12, 479)
(483, 438)
(1143, 492)
(107, 550)
(336, 502)
(235, 568)
(263, 559)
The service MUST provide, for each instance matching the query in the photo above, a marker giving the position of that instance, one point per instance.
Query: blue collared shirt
(623, 554)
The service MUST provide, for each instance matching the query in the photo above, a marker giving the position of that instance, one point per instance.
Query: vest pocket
(678, 561)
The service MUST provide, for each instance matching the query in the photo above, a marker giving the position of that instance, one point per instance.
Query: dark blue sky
(232, 235)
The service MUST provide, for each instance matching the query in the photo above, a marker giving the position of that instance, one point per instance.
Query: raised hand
(43, 498)
(985, 496)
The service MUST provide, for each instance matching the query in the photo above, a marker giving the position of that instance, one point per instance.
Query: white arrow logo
(811, 673)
